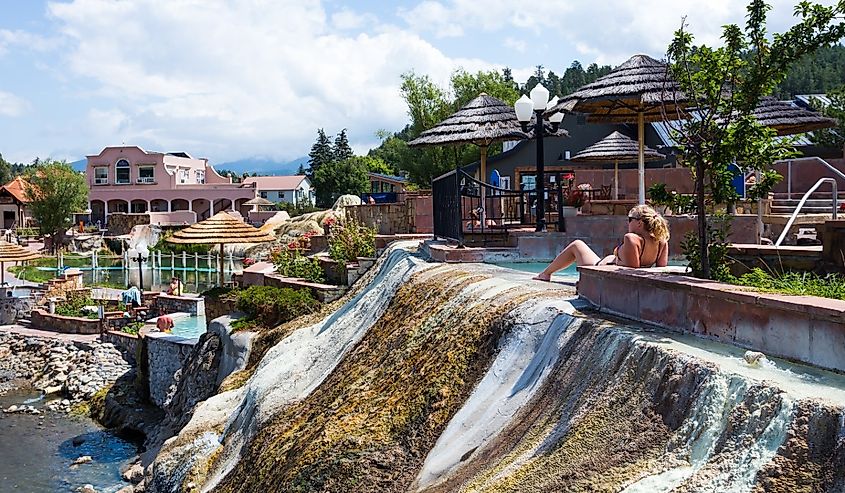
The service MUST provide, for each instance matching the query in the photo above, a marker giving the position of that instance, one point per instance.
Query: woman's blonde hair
(653, 222)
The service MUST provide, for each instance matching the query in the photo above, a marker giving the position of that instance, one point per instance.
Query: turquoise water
(189, 327)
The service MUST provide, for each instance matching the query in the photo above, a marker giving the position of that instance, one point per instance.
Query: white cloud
(459, 16)
(11, 105)
(23, 39)
(515, 44)
(347, 20)
(261, 82)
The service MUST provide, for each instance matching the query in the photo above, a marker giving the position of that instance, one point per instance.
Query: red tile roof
(16, 189)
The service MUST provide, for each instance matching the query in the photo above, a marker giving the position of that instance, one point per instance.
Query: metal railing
(819, 183)
(464, 205)
(806, 159)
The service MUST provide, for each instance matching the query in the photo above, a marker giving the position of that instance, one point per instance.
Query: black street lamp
(140, 255)
(537, 104)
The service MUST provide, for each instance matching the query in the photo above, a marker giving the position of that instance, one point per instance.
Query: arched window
(121, 175)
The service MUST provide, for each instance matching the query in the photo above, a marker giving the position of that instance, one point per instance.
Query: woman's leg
(577, 252)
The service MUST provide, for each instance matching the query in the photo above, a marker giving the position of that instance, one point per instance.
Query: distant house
(129, 179)
(381, 183)
(296, 190)
(14, 204)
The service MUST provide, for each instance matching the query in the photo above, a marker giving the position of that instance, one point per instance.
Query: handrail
(806, 158)
(804, 199)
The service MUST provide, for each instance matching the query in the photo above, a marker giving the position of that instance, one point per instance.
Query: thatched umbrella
(13, 253)
(260, 202)
(483, 121)
(616, 147)
(788, 119)
(640, 90)
(220, 229)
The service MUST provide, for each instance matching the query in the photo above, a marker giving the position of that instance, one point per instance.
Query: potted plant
(661, 199)
(573, 199)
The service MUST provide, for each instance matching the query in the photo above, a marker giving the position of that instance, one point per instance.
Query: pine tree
(342, 151)
(301, 170)
(321, 153)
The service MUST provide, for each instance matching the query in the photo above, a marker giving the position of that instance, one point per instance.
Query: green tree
(321, 153)
(341, 150)
(55, 192)
(467, 86)
(338, 178)
(6, 171)
(301, 170)
(725, 84)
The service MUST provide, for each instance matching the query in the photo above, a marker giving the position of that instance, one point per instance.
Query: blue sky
(234, 79)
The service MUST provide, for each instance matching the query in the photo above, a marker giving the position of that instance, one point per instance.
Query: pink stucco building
(130, 179)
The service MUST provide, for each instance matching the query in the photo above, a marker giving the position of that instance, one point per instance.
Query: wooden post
(222, 276)
(196, 262)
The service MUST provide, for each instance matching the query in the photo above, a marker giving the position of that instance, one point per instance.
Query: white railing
(146, 179)
(806, 159)
(804, 199)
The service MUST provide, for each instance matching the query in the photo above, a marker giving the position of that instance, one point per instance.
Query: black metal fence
(465, 205)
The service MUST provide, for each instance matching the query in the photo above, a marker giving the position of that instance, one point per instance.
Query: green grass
(795, 283)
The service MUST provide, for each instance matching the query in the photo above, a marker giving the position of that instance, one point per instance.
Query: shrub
(72, 306)
(574, 198)
(294, 210)
(349, 240)
(132, 328)
(659, 196)
(271, 306)
(794, 283)
(291, 262)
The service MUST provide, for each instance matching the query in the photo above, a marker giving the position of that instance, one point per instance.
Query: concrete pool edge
(806, 329)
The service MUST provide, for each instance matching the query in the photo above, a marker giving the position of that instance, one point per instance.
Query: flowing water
(36, 451)
(470, 377)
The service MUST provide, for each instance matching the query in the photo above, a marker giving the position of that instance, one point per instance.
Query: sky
(237, 79)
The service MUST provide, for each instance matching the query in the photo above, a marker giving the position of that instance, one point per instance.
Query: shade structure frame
(10, 252)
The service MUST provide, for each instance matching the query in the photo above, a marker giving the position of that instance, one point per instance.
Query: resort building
(129, 179)
(296, 190)
(14, 204)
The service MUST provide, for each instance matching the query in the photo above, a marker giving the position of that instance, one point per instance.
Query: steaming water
(37, 451)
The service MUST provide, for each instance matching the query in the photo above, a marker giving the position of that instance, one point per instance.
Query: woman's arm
(662, 254)
(629, 253)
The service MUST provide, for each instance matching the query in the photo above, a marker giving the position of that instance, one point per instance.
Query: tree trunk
(703, 240)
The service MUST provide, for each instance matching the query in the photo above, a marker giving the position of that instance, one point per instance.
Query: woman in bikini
(645, 245)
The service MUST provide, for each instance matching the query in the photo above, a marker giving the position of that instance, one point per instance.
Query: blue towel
(131, 297)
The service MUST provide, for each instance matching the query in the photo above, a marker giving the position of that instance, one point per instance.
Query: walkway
(48, 334)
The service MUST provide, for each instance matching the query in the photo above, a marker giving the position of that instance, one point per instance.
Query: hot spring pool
(188, 326)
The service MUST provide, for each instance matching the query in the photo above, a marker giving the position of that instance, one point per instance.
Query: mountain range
(262, 166)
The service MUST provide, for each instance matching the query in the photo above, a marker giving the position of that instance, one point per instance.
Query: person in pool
(646, 244)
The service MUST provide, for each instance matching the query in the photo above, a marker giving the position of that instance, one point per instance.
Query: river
(37, 451)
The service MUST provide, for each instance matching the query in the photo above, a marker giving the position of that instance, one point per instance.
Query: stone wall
(13, 308)
(216, 307)
(60, 286)
(325, 293)
(43, 320)
(165, 355)
(412, 214)
(800, 328)
(174, 304)
(127, 344)
(121, 223)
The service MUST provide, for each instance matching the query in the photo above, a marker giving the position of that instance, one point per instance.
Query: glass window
(200, 176)
(263, 195)
(146, 175)
(122, 172)
(183, 176)
(101, 175)
(281, 195)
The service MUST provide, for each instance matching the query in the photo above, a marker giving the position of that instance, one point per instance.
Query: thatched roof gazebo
(483, 121)
(260, 202)
(220, 229)
(617, 148)
(13, 253)
(788, 119)
(640, 90)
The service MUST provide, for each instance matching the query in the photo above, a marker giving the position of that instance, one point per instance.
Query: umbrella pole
(641, 160)
(2, 273)
(615, 180)
(483, 215)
